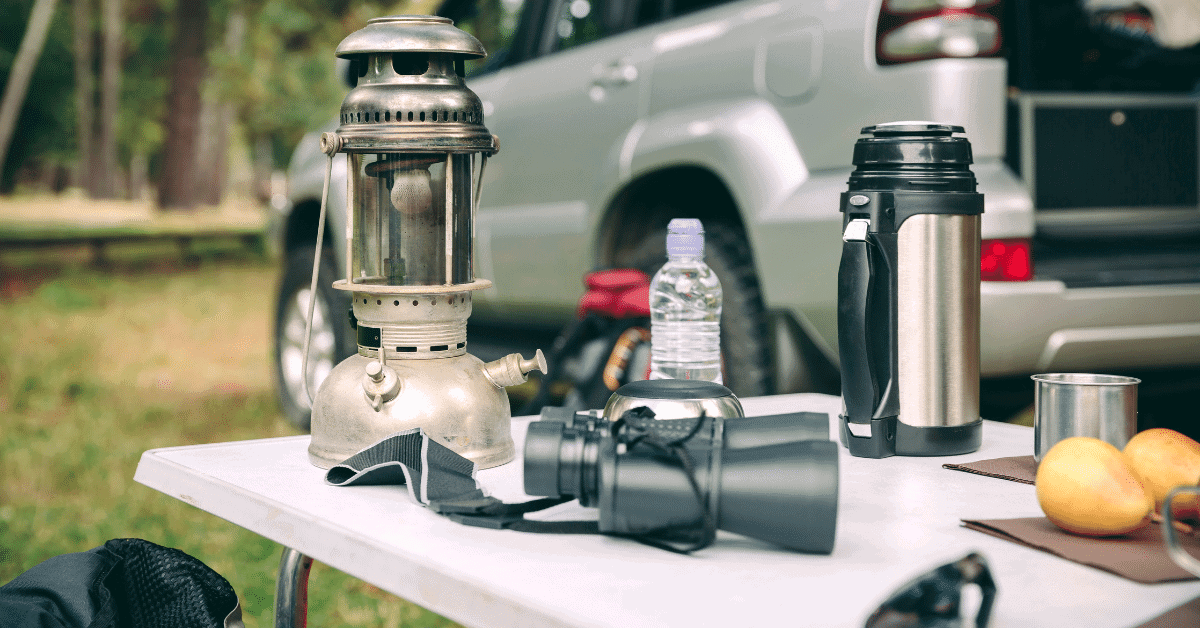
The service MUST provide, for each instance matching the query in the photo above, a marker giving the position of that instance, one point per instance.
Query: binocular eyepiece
(772, 478)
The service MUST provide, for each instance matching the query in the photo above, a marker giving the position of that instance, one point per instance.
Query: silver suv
(615, 116)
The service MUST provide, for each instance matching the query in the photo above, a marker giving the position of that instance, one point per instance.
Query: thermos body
(937, 321)
(908, 294)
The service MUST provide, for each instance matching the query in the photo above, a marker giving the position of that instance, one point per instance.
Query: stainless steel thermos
(908, 294)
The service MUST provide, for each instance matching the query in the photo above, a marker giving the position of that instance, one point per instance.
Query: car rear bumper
(1044, 326)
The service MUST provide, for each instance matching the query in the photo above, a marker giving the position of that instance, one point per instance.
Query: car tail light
(1005, 260)
(914, 30)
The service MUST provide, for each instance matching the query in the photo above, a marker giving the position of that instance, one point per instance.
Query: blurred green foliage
(281, 78)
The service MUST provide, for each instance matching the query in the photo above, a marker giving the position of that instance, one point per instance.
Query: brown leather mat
(1021, 469)
(1140, 555)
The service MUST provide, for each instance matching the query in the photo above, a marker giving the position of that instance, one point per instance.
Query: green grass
(97, 367)
(34, 233)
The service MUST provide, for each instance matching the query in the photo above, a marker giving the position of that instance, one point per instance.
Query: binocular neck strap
(443, 481)
(492, 513)
(638, 427)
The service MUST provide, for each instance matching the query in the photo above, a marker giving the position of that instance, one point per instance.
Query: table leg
(291, 591)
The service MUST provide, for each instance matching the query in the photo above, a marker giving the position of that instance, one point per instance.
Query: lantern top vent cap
(411, 33)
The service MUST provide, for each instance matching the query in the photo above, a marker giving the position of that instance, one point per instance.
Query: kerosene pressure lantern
(414, 135)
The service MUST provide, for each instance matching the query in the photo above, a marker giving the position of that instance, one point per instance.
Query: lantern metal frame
(411, 108)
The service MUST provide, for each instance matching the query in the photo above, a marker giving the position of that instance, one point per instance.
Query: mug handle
(1171, 537)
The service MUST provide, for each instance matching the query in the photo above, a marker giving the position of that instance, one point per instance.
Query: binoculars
(772, 478)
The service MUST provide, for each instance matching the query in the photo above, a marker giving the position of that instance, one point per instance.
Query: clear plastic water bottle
(685, 309)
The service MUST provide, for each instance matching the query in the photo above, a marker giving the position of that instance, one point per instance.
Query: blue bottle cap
(685, 236)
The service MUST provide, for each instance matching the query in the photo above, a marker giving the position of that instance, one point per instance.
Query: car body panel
(544, 210)
(730, 139)
(769, 97)
(1044, 326)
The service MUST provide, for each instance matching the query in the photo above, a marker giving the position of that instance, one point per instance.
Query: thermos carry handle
(854, 301)
(865, 295)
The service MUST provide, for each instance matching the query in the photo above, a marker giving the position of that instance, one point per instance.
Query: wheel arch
(641, 206)
(300, 229)
(730, 162)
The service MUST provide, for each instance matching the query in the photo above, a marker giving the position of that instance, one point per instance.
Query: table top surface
(897, 518)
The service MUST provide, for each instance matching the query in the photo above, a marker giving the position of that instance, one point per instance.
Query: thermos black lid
(912, 143)
(911, 128)
(912, 156)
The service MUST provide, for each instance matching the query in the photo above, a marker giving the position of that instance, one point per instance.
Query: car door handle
(616, 74)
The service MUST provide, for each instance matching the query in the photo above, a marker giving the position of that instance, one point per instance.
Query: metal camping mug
(1083, 404)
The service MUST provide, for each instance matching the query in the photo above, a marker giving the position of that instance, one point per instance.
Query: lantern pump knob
(511, 369)
(375, 371)
(381, 384)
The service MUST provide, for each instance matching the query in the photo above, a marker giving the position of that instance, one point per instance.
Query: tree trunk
(108, 184)
(22, 70)
(178, 183)
(85, 96)
(208, 150)
(218, 119)
(139, 171)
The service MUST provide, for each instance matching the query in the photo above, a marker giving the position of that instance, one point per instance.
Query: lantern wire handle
(312, 290)
(479, 182)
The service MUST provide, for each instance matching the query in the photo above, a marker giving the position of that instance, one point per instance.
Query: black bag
(129, 583)
(605, 347)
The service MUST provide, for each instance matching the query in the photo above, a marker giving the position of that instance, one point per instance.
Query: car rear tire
(332, 337)
(745, 333)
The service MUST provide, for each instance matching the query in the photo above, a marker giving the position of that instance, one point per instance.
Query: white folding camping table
(897, 518)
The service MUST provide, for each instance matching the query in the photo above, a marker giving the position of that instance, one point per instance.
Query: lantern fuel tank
(908, 294)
